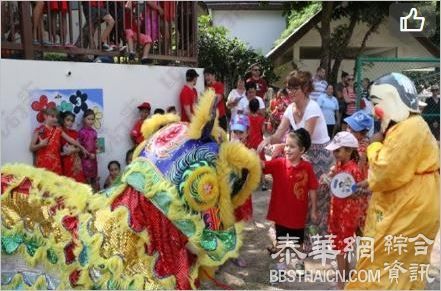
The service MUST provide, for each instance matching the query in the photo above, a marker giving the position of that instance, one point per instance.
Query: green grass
(297, 18)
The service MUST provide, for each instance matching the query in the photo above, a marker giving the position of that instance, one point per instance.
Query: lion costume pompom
(168, 217)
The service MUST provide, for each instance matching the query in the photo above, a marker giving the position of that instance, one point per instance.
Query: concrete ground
(257, 237)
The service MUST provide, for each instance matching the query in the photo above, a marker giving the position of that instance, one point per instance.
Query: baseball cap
(144, 105)
(191, 73)
(342, 139)
(240, 123)
(359, 121)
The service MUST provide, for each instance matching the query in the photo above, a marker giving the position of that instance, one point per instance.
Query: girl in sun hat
(344, 213)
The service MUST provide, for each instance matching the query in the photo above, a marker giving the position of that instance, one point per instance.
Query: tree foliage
(229, 57)
(335, 39)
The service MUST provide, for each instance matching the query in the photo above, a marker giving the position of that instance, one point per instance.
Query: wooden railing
(76, 29)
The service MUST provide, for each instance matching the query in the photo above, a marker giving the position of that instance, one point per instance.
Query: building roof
(298, 33)
(244, 5)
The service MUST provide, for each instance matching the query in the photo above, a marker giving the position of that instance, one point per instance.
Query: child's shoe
(105, 47)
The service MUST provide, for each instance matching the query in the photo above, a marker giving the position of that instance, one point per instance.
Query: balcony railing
(79, 29)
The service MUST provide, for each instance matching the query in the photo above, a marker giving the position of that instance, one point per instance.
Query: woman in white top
(306, 113)
(235, 96)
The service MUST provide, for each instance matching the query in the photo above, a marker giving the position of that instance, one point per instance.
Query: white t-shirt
(244, 105)
(320, 134)
(234, 94)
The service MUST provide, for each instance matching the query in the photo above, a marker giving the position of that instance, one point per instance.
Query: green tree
(229, 57)
(335, 40)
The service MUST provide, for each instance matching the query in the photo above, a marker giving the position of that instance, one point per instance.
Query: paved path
(257, 237)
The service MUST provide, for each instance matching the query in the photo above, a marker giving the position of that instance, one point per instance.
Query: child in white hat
(345, 213)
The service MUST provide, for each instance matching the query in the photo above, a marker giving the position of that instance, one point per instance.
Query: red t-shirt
(136, 133)
(289, 197)
(261, 86)
(97, 4)
(255, 134)
(218, 88)
(188, 96)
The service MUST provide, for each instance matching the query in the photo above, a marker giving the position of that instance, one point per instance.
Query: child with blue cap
(239, 127)
(359, 124)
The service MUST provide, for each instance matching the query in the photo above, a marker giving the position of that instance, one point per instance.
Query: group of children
(63, 150)
(295, 184)
(141, 23)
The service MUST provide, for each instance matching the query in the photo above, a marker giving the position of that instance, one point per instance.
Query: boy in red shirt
(218, 87)
(255, 133)
(136, 134)
(294, 183)
(188, 95)
(257, 127)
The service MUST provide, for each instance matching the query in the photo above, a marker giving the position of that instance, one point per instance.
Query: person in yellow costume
(403, 214)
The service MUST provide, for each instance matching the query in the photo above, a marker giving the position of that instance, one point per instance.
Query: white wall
(407, 47)
(258, 28)
(124, 87)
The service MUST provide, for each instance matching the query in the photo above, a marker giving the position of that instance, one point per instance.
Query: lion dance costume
(403, 214)
(164, 224)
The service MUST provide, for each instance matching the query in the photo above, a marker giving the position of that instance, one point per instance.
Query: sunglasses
(292, 89)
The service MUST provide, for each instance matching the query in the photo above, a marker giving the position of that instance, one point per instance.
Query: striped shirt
(319, 89)
(350, 99)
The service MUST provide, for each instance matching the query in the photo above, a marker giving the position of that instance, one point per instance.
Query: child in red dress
(294, 184)
(70, 159)
(255, 133)
(46, 143)
(257, 127)
(345, 213)
(277, 108)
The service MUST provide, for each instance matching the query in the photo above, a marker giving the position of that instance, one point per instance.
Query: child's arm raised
(36, 144)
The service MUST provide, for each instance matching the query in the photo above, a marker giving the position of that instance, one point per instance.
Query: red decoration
(69, 253)
(40, 105)
(6, 180)
(70, 223)
(165, 239)
(74, 277)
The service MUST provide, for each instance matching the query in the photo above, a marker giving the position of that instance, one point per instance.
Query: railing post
(26, 29)
(195, 32)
